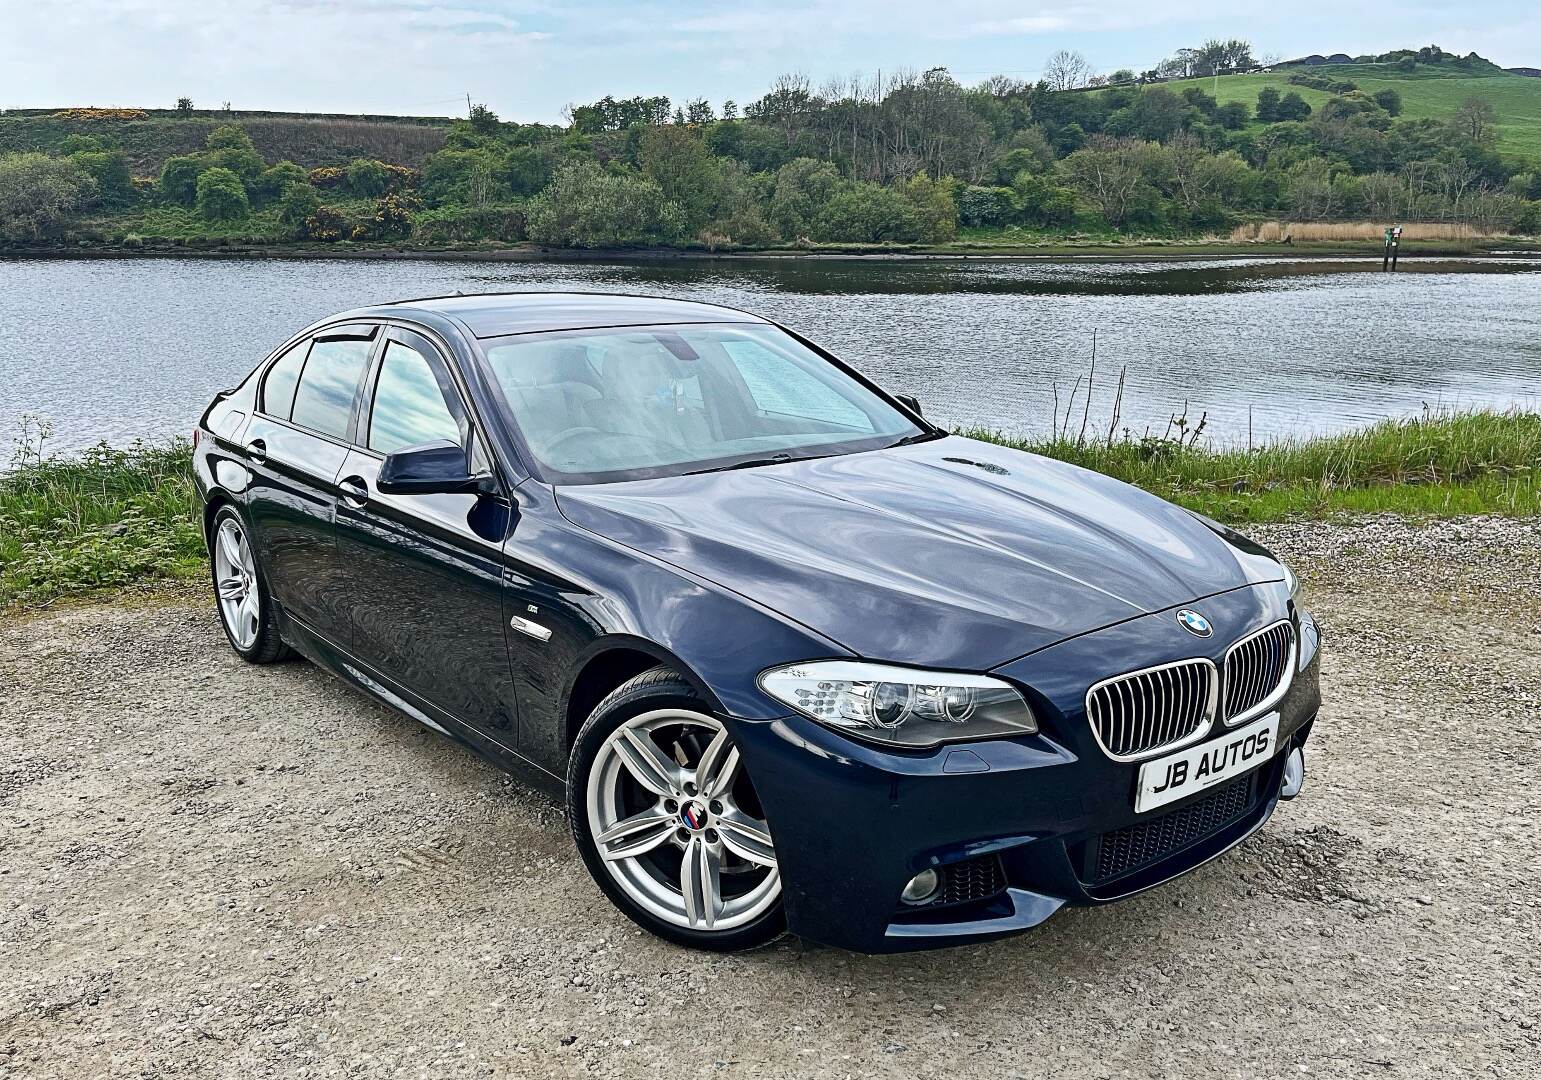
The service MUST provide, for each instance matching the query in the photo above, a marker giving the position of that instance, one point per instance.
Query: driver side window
(410, 407)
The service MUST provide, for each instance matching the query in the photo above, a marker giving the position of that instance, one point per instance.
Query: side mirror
(436, 468)
(911, 402)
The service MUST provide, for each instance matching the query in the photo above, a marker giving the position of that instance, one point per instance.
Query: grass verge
(103, 519)
(116, 518)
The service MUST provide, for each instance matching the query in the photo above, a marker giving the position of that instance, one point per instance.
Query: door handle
(257, 450)
(355, 492)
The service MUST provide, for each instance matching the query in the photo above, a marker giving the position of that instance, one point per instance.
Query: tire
(235, 569)
(692, 863)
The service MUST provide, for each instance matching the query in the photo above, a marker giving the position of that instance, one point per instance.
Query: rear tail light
(196, 432)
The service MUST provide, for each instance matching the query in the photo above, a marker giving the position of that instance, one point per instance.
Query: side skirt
(337, 661)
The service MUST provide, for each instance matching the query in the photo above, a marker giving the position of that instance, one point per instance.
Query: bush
(392, 218)
(109, 169)
(222, 196)
(455, 224)
(326, 177)
(179, 179)
(299, 202)
(325, 225)
(867, 213)
(584, 207)
(274, 182)
(38, 194)
(367, 178)
(984, 207)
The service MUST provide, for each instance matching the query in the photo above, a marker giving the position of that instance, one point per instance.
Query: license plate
(1190, 771)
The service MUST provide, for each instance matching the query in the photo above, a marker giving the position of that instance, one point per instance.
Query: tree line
(906, 157)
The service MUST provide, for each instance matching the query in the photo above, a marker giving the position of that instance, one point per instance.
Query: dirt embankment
(209, 869)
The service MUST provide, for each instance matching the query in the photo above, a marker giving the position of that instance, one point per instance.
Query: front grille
(964, 882)
(1149, 710)
(1256, 668)
(1122, 850)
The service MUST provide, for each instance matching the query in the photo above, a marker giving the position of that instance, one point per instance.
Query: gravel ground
(209, 869)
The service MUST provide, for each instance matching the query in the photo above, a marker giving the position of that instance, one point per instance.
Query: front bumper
(1030, 824)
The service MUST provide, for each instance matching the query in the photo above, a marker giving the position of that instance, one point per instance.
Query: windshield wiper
(750, 463)
(918, 437)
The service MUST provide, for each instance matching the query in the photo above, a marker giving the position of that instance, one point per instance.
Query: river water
(119, 349)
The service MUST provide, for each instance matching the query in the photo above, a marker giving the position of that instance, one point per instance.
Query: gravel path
(209, 869)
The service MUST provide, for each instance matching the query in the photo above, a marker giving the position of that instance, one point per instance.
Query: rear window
(324, 400)
(279, 383)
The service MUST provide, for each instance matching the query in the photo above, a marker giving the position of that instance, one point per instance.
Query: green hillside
(1427, 92)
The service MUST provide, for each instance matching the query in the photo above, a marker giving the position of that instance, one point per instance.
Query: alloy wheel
(677, 825)
(235, 581)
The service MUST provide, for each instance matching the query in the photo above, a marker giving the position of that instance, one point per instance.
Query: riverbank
(491, 251)
(125, 519)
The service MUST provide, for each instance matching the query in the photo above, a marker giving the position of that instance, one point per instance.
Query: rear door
(424, 572)
(295, 446)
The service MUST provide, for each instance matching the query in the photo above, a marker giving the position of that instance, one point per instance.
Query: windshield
(601, 405)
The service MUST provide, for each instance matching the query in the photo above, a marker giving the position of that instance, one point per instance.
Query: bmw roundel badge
(1194, 623)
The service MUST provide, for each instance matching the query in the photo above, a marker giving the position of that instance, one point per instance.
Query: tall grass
(1439, 463)
(1273, 232)
(105, 518)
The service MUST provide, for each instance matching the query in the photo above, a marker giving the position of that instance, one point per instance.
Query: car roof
(489, 315)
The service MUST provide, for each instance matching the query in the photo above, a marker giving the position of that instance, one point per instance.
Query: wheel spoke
(248, 615)
(745, 837)
(232, 588)
(636, 835)
(700, 884)
(714, 773)
(231, 547)
(246, 560)
(647, 763)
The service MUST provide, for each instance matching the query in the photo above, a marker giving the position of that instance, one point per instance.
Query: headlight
(900, 706)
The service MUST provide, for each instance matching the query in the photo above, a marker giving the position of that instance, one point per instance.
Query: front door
(295, 446)
(424, 572)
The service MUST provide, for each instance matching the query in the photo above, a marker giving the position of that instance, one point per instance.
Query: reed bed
(1275, 232)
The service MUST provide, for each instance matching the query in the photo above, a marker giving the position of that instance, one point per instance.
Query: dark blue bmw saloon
(796, 658)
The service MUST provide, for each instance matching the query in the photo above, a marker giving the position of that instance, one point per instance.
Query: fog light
(1294, 774)
(922, 888)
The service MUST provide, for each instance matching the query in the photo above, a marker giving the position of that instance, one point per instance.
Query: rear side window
(410, 407)
(324, 400)
(279, 383)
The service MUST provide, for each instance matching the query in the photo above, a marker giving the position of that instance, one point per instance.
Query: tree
(730, 110)
(936, 206)
(366, 178)
(299, 202)
(483, 120)
(1067, 70)
(109, 169)
(184, 105)
(274, 182)
(1268, 104)
(1233, 115)
(38, 194)
(221, 196)
(803, 187)
(179, 178)
(584, 207)
(1292, 107)
(1473, 120)
(698, 111)
(1109, 175)
(674, 158)
(1389, 100)
(867, 213)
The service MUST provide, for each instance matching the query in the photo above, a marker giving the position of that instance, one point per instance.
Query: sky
(527, 60)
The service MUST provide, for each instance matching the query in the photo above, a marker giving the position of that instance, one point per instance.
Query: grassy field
(122, 518)
(1427, 92)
